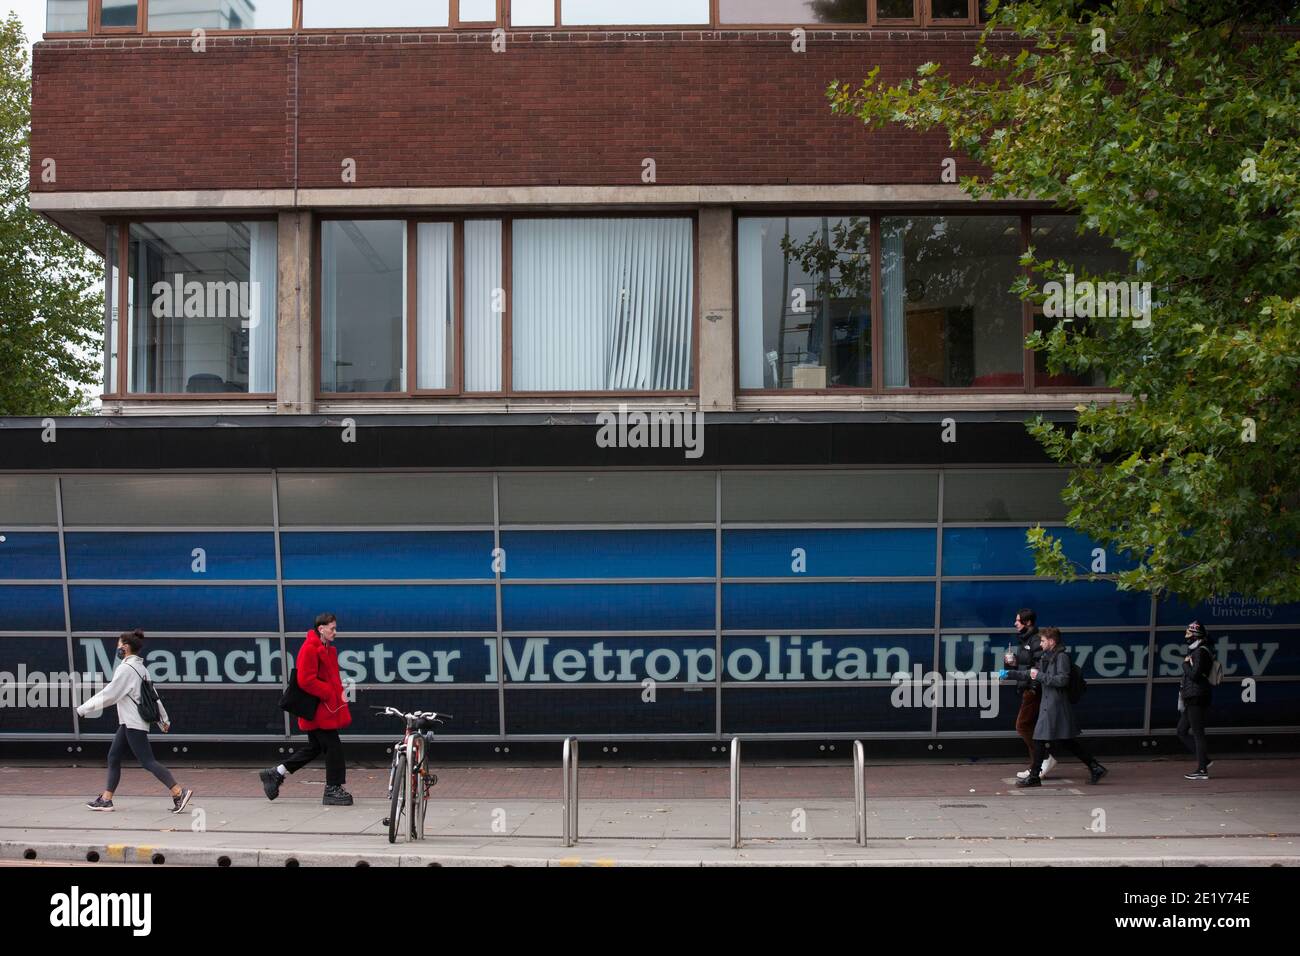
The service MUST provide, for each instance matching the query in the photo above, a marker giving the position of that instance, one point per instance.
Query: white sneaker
(1023, 775)
(1048, 764)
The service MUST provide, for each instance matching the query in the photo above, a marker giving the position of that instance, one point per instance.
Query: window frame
(98, 28)
(876, 214)
(507, 390)
(122, 392)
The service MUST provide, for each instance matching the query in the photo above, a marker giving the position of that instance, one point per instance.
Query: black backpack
(149, 703)
(1077, 684)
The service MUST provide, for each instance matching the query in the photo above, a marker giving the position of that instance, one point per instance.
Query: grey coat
(1056, 714)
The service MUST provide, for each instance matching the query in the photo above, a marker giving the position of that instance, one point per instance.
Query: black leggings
(1070, 744)
(138, 741)
(325, 742)
(1193, 718)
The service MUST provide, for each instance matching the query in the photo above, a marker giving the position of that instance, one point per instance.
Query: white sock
(281, 771)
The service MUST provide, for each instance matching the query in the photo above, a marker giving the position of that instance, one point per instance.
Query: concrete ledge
(74, 852)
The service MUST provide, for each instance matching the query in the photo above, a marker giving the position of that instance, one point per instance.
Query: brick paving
(678, 781)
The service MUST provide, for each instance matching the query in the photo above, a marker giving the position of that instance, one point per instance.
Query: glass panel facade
(112, 270)
(189, 15)
(66, 16)
(117, 14)
(476, 11)
(805, 302)
(950, 318)
(485, 305)
(1089, 258)
(792, 11)
(532, 13)
(203, 310)
(602, 304)
(363, 305)
(27, 500)
(784, 620)
(435, 310)
(339, 14)
(633, 12)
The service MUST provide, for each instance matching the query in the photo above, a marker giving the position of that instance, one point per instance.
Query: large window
(792, 11)
(363, 306)
(631, 12)
(186, 15)
(602, 305)
(950, 319)
(336, 14)
(200, 298)
(67, 16)
(805, 302)
(1087, 259)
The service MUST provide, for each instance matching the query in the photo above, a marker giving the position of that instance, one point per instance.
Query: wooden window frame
(122, 391)
(507, 389)
(1027, 386)
(141, 17)
(873, 11)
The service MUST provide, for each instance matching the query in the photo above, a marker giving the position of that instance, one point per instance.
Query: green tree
(51, 296)
(1172, 127)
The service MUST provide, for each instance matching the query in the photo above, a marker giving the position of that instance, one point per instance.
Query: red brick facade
(431, 110)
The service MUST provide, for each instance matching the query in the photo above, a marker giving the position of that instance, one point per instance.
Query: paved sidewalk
(967, 813)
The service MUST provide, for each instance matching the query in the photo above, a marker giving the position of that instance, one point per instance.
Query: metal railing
(569, 796)
(859, 793)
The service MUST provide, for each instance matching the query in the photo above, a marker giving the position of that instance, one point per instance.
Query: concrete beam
(717, 318)
(295, 361)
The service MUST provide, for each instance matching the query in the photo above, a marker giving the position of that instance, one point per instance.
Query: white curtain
(602, 304)
(893, 282)
(435, 310)
(484, 305)
(263, 273)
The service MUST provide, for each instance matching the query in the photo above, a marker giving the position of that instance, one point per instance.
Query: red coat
(318, 675)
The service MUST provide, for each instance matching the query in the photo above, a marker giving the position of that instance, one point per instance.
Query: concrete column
(295, 353)
(717, 311)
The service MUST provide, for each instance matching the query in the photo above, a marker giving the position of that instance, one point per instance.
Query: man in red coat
(318, 675)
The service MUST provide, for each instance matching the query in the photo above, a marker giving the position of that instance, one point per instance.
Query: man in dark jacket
(1194, 699)
(318, 675)
(1056, 721)
(1025, 656)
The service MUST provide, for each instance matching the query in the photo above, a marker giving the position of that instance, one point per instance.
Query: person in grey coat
(1056, 721)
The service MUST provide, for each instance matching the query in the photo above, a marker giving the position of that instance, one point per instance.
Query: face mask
(121, 652)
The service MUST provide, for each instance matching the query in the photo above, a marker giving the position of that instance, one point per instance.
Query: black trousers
(138, 742)
(1068, 743)
(1193, 718)
(319, 742)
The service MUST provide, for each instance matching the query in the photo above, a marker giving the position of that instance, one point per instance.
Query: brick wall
(432, 110)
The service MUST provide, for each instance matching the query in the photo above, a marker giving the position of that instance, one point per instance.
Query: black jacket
(1028, 652)
(1196, 675)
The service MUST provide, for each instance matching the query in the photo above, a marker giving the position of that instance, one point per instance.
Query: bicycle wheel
(397, 798)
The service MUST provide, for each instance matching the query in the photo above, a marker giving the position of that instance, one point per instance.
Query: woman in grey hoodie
(124, 690)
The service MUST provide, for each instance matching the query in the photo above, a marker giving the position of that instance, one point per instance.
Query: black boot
(1031, 781)
(271, 781)
(1096, 772)
(336, 797)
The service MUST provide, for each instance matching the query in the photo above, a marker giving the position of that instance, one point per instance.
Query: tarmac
(923, 813)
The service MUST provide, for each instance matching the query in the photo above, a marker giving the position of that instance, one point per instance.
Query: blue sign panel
(386, 556)
(828, 553)
(171, 556)
(609, 554)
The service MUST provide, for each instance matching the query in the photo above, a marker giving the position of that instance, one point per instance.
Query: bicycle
(409, 779)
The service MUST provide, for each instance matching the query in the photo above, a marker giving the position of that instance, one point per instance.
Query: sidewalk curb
(161, 855)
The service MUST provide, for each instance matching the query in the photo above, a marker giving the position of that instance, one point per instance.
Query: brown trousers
(1030, 701)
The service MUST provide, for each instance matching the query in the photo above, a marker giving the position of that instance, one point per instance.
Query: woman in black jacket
(1194, 699)
(1056, 721)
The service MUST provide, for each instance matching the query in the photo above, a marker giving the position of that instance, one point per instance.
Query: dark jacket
(1056, 714)
(1196, 675)
(1028, 651)
(318, 675)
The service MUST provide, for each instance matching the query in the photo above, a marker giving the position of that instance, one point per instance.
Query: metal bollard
(569, 799)
(860, 792)
(735, 793)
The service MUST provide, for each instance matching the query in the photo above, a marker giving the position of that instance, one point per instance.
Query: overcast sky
(32, 13)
